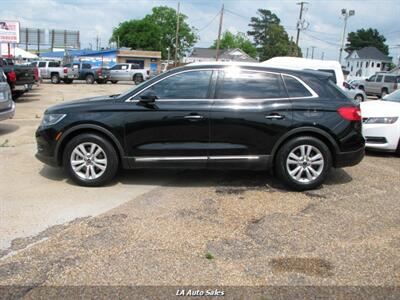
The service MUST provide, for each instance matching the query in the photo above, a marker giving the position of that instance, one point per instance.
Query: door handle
(193, 117)
(275, 117)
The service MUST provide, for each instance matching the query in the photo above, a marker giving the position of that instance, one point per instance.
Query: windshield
(395, 97)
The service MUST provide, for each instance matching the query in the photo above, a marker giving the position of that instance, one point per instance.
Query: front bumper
(46, 145)
(382, 136)
(8, 113)
(350, 158)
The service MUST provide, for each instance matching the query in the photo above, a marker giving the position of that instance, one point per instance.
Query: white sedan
(381, 123)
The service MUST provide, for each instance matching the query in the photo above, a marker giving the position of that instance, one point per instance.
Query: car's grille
(375, 140)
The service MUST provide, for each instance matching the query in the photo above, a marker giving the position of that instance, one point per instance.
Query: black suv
(214, 115)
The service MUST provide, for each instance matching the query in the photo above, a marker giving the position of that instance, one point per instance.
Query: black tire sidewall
(89, 79)
(112, 159)
(137, 79)
(288, 147)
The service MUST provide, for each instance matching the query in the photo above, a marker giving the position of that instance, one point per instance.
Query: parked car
(89, 73)
(332, 67)
(128, 72)
(354, 92)
(55, 72)
(380, 84)
(7, 106)
(20, 78)
(381, 123)
(215, 115)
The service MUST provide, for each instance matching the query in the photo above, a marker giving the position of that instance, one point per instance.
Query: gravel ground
(215, 228)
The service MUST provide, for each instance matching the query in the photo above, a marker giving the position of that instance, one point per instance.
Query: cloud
(99, 17)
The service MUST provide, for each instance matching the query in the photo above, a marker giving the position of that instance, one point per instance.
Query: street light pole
(346, 14)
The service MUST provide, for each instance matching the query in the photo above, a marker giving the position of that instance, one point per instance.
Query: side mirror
(366, 79)
(148, 98)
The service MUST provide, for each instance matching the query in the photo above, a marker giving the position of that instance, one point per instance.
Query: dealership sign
(9, 32)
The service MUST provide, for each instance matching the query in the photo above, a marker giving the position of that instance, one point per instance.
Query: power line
(209, 23)
(321, 40)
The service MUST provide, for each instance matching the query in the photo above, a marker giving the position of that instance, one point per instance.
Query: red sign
(9, 32)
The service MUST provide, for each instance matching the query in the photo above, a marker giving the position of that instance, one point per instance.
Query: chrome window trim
(189, 158)
(313, 93)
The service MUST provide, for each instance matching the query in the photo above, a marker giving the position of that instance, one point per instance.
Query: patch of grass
(4, 144)
(209, 256)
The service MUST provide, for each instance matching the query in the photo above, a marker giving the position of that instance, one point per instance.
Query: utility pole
(177, 35)
(346, 14)
(299, 25)
(312, 52)
(117, 41)
(97, 42)
(307, 53)
(219, 32)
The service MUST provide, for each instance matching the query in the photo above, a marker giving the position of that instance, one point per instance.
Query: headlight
(381, 120)
(51, 119)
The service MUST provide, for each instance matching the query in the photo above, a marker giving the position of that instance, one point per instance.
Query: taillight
(395, 86)
(99, 71)
(12, 76)
(65, 70)
(350, 113)
(36, 73)
(148, 72)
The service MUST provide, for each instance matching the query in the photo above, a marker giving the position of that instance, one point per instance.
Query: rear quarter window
(390, 79)
(324, 87)
(295, 88)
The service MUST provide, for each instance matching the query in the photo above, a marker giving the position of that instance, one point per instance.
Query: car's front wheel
(303, 163)
(90, 159)
(359, 98)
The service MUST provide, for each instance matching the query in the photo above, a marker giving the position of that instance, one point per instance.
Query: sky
(99, 17)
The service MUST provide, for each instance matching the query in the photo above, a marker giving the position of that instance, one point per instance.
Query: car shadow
(8, 128)
(234, 179)
(27, 97)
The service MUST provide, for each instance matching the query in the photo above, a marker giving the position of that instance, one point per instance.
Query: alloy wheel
(305, 163)
(88, 161)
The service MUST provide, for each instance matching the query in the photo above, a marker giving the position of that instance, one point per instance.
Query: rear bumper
(9, 113)
(348, 159)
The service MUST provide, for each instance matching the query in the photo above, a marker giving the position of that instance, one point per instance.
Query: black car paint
(171, 128)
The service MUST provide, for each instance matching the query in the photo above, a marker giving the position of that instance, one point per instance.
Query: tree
(239, 40)
(366, 37)
(156, 31)
(270, 38)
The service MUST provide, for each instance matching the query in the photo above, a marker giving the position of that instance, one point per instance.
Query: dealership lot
(157, 227)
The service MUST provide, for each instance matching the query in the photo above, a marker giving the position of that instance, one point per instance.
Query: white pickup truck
(55, 72)
(128, 72)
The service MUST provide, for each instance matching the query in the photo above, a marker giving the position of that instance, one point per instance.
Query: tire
(359, 97)
(138, 79)
(307, 179)
(89, 79)
(89, 173)
(383, 93)
(114, 81)
(55, 78)
(100, 81)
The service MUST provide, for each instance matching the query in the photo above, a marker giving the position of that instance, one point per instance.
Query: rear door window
(379, 78)
(237, 84)
(295, 88)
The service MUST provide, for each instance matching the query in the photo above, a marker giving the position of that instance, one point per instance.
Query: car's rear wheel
(114, 81)
(137, 79)
(90, 159)
(55, 78)
(303, 162)
(384, 93)
(89, 79)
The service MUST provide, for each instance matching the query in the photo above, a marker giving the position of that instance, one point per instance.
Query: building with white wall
(365, 62)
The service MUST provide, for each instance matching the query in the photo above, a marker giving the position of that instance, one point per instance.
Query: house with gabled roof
(207, 54)
(365, 62)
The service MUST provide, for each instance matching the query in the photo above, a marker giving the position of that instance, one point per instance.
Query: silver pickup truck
(128, 72)
(55, 72)
(380, 84)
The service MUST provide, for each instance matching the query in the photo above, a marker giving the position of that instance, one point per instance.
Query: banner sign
(9, 32)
